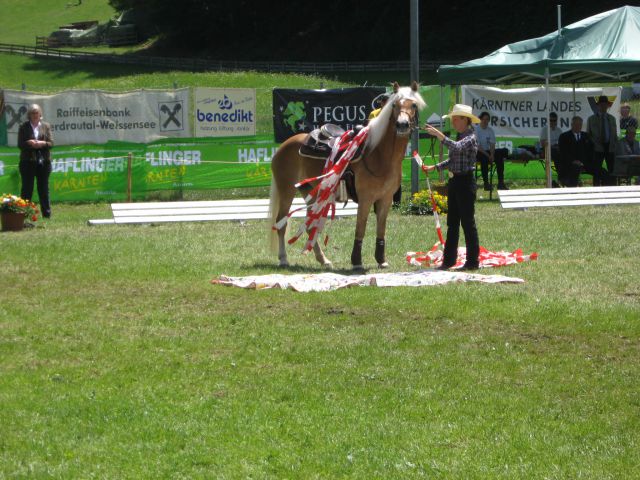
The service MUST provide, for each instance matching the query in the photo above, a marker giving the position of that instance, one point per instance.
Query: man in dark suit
(576, 156)
(35, 142)
(603, 131)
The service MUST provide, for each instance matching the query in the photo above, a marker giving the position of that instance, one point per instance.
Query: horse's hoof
(283, 264)
(383, 265)
(358, 268)
(328, 265)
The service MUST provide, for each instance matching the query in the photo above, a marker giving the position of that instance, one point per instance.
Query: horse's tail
(274, 206)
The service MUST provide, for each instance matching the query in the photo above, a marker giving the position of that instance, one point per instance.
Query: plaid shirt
(462, 154)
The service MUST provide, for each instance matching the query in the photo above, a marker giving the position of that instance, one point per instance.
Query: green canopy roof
(601, 48)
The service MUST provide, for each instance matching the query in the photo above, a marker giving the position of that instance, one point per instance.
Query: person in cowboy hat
(462, 186)
(602, 129)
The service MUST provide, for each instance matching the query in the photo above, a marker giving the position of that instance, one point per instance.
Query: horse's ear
(414, 86)
(396, 87)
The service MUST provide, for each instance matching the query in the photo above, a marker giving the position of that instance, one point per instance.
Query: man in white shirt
(487, 153)
(576, 156)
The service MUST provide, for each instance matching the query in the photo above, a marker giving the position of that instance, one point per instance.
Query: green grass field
(120, 360)
(25, 20)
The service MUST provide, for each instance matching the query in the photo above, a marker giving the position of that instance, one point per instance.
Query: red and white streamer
(434, 205)
(321, 201)
(487, 259)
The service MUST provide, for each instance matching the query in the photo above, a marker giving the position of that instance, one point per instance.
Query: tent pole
(415, 72)
(547, 162)
(440, 147)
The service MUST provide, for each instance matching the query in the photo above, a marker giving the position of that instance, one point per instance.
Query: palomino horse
(377, 174)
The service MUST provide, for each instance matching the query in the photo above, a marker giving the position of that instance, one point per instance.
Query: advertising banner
(296, 111)
(522, 112)
(224, 112)
(99, 172)
(92, 116)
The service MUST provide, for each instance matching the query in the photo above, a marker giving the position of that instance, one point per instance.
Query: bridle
(412, 117)
(411, 112)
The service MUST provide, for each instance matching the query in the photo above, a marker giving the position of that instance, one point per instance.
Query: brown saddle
(319, 142)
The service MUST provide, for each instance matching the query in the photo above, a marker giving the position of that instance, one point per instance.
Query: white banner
(93, 116)
(225, 112)
(522, 112)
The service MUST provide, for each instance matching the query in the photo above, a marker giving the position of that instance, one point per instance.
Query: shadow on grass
(296, 269)
(60, 68)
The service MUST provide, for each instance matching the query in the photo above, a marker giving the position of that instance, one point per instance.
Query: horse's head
(406, 104)
(401, 110)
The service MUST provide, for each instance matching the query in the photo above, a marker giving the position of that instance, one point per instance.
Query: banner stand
(129, 176)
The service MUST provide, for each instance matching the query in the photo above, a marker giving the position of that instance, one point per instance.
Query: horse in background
(378, 173)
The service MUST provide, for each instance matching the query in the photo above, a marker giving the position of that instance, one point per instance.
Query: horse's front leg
(361, 226)
(382, 207)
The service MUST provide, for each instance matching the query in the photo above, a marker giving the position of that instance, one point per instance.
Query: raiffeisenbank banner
(522, 112)
(93, 116)
(224, 112)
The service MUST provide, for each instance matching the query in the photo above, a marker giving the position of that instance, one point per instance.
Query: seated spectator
(626, 119)
(488, 154)
(555, 136)
(628, 145)
(576, 156)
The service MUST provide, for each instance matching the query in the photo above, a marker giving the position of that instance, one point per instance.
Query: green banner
(99, 172)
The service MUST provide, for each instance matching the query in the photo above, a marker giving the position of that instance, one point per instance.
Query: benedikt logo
(225, 103)
(238, 115)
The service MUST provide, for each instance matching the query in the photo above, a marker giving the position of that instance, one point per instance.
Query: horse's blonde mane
(378, 125)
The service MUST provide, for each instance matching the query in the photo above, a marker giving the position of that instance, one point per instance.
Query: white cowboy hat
(462, 110)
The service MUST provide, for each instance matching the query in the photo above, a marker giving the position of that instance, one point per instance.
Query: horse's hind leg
(320, 256)
(285, 194)
(283, 211)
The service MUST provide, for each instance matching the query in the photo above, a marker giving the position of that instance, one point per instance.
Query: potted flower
(13, 211)
(420, 203)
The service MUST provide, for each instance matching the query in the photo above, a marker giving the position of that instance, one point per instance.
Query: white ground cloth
(323, 282)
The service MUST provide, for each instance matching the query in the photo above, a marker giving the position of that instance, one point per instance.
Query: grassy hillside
(26, 19)
(45, 75)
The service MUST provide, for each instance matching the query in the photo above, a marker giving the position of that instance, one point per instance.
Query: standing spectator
(462, 186)
(602, 130)
(555, 136)
(487, 153)
(626, 119)
(576, 156)
(35, 142)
